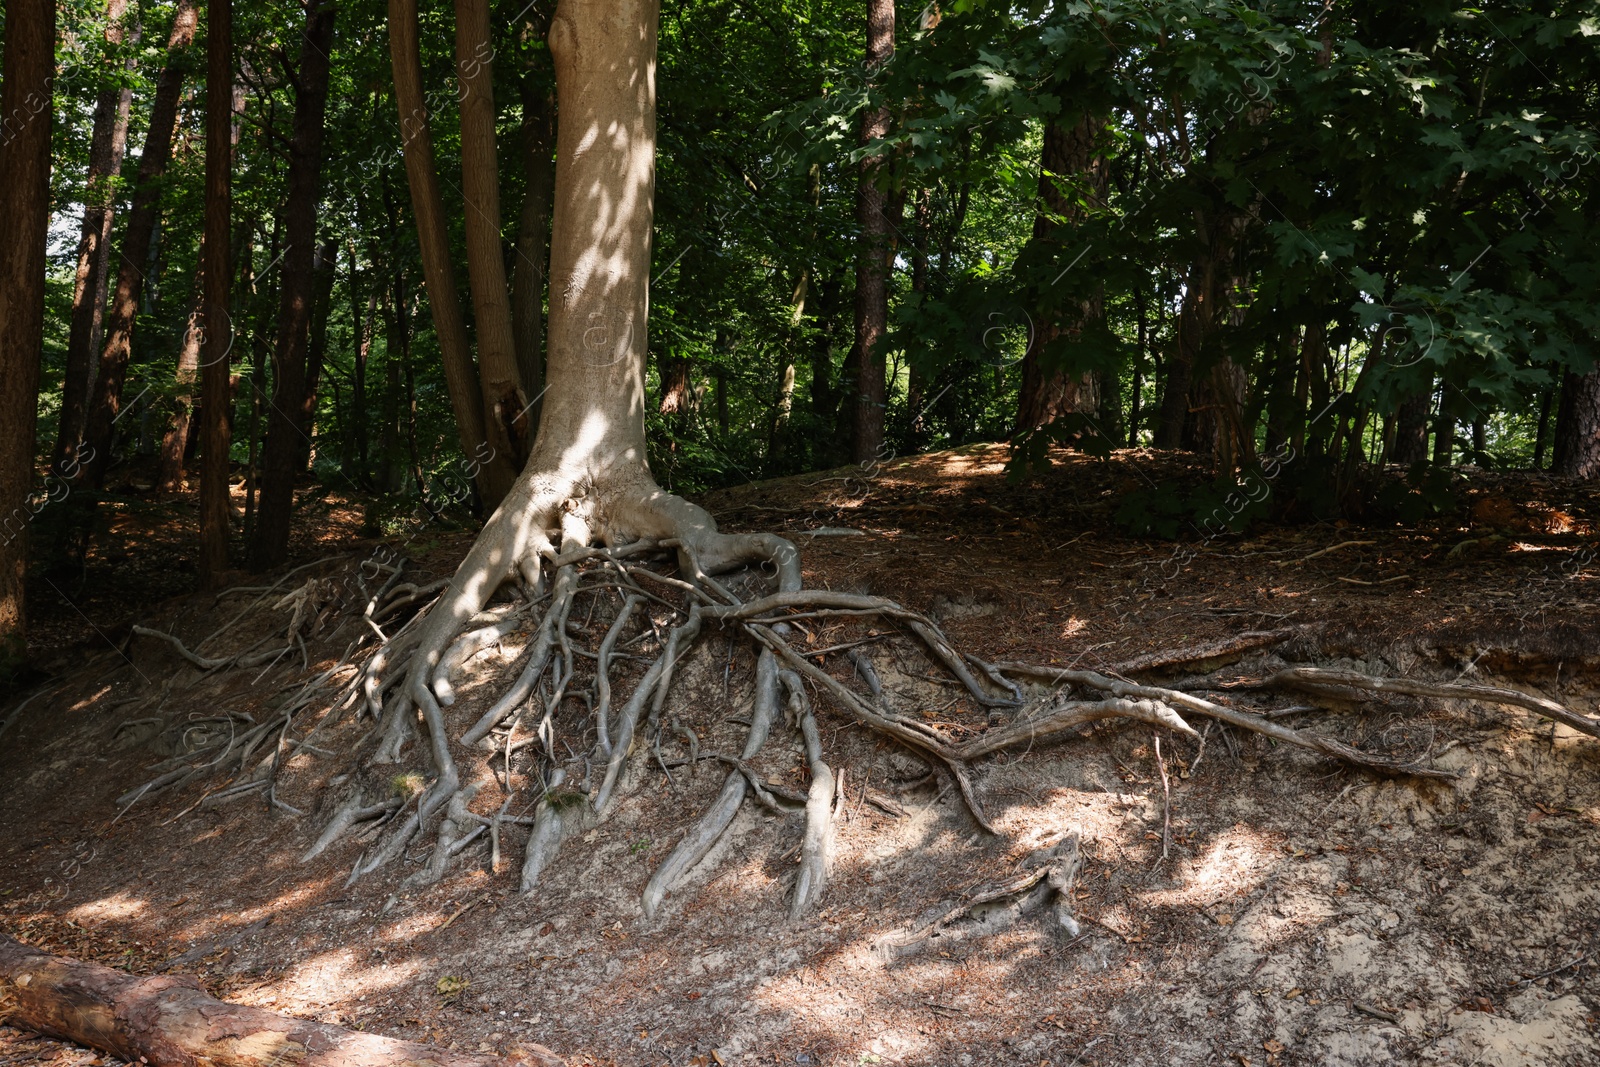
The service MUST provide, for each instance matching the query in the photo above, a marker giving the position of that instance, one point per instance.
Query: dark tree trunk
(1541, 439)
(216, 346)
(1070, 155)
(288, 421)
(324, 272)
(137, 244)
(1411, 428)
(1444, 438)
(872, 263)
(533, 234)
(106, 146)
(359, 466)
(1577, 446)
(29, 65)
(1194, 321)
(824, 400)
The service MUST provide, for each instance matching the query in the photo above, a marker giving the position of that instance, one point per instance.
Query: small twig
(1325, 551)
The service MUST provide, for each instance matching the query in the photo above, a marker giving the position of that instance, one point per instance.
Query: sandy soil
(1304, 913)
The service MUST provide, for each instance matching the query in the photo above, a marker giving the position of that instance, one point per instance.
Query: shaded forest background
(1342, 248)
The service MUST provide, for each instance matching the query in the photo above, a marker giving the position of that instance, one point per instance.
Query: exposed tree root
(605, 634)
(1050, 878)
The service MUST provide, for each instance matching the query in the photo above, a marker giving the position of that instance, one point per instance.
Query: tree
(134, 251)
(494, 470)
(289, 416)
(28, 68)
(872, 255)
(106, 145)
(216, 276)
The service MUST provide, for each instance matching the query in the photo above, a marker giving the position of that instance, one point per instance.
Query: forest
(544, 404)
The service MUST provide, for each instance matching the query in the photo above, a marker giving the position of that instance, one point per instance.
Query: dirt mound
(1304, 913)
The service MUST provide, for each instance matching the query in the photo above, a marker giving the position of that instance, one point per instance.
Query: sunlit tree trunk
(288, 421)
(137, 241)
(872, 266)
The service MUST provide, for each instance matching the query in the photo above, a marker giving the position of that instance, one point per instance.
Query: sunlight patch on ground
(118, 906)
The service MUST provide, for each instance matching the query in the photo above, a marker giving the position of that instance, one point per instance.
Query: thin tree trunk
(359, 467)
(324, 271)
(872, 266)
(677, 391)
(1541, 438)
(106, 146)
(916, 371)
(824, 401)
(175, 441)
(495, 472)
(25, 100)
(216, 392)
(504, 402)
(532, 262)
(138, 244)
(288, 420)
(1047, 390)
(1196, 319)
(1444, 438)
(1577, 445)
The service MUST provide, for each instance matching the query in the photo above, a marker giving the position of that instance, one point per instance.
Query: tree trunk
(1202, 301)
(1047, 390)
(216, 346)
(106, 146)
(504, 403)
(1577, 445)
(359, 466)
(175, 441)
(288, 420)
(533, 238)
(324, 272)
(917, 368)
(170, 1021)
(29, 66)
(1541, 437)
(1411, 428)
(495, 473)
(872, 263)
(137, 244)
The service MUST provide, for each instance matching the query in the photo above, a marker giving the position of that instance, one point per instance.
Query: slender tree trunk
(1577, 446)
(324, 271)
(217, 384)
(175, 441)
(1541, 439)
(359, 468)
(1070, 155)
(1444, 438)
(917, 369)
(29, 65)
(533, 236)
(824, 401)
(106, 146)
(495, 473)
(288, 421)
(137, 243)
(1202, 301)
(504, 403)
(872, 266)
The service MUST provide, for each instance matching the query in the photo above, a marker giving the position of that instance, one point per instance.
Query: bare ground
(1305, 913)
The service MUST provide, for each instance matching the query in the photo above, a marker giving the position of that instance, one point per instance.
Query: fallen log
(170, 1021)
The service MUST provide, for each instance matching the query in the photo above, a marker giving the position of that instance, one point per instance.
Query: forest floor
(1305, 913)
